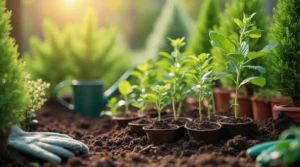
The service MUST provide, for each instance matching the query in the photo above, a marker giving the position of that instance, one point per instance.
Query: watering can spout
(114, 88)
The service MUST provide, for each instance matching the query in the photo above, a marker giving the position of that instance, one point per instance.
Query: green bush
(207, 19)
(77, 52)
(286, 30)
(233, 10)
(13, 94)
(173, 22)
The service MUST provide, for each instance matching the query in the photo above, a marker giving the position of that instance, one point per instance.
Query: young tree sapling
(125, 89)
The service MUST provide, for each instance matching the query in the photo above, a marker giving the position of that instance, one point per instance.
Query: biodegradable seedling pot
(206, 135)
(230, 130)
(123, 121)
(4, 139)
(222, 98)
(245, 105)
(162, 135)
(138, 127)
(261, 109)
(182, 130)
(292, 112)
(279, 101)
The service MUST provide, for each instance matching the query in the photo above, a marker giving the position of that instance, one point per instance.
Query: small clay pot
(292, 112)
(245, 105)
(162, 135)
(137, 128)
(208, 136)
(261, 109)
(182, 130)
(4, 139)
(230, 130)
(152, 113)
(123, 121)
(222, 98)
(279, 101)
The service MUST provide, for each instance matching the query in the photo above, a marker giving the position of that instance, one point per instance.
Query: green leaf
(151, 98)
(222, 42)
(222, 75)
(258, 68)
(254, 55)
(239, 23)
(259, 81)
(125, 87)
(237, 57)
(192, 76)
(202, 56)
(231, 66)
(136, 73)
(166, 55)
(255, 34)
(245, 48)
(269, 47)
(194, 58)
(250, 17)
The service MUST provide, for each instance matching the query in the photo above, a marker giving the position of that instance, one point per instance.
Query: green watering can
(89, 98)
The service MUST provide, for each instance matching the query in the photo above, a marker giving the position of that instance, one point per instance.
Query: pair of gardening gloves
(47, 146)
(286, 149)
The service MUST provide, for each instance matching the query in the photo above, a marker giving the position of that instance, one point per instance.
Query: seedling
(160, 98)
(239, 56)
(125, 89)
(201, 73)
(175, 69)
(113, 104)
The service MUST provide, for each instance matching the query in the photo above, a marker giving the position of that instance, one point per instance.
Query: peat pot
(206, 135)
(230, 130)
(123, 121)
(138, 127)
(162, 135)
(279, 101)
(4, 139)
(222, 98)
(245, 105)
(182, 130)
(261, 109)
(292, 112)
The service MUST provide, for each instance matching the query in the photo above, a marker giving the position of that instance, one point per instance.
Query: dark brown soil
(234, 120)
(120, 147)
(160, 125)
(202, 125)
(142, 121)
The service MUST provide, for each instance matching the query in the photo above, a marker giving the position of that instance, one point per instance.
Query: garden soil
(111, 146)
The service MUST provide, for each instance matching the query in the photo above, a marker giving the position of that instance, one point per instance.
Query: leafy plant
(159, 97)
(125, 89)
(113, 104)
(201, 73)
(233, 9)
(173, 22)
(37, 97)
(14, 95)
(207, 19)
(239, 56)
(286, 31)
(175, 69)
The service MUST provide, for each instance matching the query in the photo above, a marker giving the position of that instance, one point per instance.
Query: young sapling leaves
(125, 89)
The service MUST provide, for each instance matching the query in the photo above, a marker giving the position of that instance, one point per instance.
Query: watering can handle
(59, 99)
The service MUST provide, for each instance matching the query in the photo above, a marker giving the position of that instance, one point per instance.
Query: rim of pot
(205, 130)
(125, 118)
(286, 108)
(185, 118)
(241, 123)
(146, 129)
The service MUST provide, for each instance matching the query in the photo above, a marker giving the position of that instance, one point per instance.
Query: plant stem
(236, 112)
(179, 109)
(200, 108)
(174, 109)
(158, 115)
(126, 105)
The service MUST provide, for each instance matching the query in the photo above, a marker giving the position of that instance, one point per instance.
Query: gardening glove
(46, 145)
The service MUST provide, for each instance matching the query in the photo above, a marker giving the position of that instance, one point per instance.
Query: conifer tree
(13, 95)
(207, 19)
(235, 9)
(286, 31)
(173, 22)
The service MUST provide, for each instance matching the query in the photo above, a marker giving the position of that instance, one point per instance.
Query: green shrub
(13, 94)
(77, 52)
(173, 22)
(286, 30)
(207, 19)
(235, 9)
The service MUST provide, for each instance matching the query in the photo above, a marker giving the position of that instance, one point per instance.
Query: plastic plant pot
(222, 98)
(162, 135)
(245, 105)
(123, 121)
(261, 109)
(279, 101)
(230, 130)
(292, 112)
(182, 130)
(4, 139)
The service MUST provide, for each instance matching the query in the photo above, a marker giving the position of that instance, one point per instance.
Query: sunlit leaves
(222, 42)
(259, 81)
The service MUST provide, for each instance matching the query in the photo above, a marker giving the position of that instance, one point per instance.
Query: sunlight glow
(69, 2)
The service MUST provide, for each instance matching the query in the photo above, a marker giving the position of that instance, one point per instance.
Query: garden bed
(110, 146)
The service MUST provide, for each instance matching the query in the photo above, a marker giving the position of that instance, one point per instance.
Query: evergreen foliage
(13, 95)
(173, 22)
(207, 19)
(286, 30)
(77, 52)
(235, 9)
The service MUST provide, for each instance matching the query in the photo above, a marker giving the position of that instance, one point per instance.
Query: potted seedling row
(239, 58)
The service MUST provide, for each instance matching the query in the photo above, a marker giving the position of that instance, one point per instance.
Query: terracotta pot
(208, 136)
(182, 130)
(162, 135)
(279, 101)
(222, 98)
(261, 109)
(230, 130)
(292, 112)
(245, 105)
(4, 139)
(123, 121)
